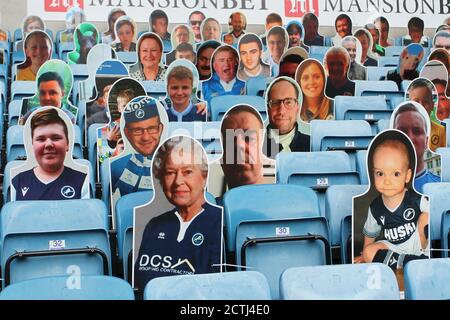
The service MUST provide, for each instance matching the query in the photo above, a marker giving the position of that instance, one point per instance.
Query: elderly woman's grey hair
(174, 147)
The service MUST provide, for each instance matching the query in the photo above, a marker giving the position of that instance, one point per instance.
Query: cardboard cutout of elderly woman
(50, 173)
(54, 85)
(149, 65)
(85, 37)
(143, 124)
(180, 233)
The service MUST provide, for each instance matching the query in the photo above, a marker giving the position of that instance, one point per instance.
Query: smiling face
(50, 145)
(238, 24)
(225, 63)
(179, 91)
(282, 116)
(144, 135)
(50, 94)
(38, 49)
(182, 35)
(195, 22)
(350, 46)
(312, 81)
(276, 44)
(343, 27)
(149, 52)
(183, 182)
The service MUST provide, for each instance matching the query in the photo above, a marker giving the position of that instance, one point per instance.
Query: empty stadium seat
(127, 57)
(45, 238)
(378, 86)
(256, 86)
(445, 163)
(365, 281)
(361, 166)
(376, 73)
(105, 180)
(14, 110)
(221, 104)
(447, 133)
(393, 51)
(92, 135)
(346, 239)
(22, 89)
(439, 202)
(155, 89)
(318, 50)
(67, 288)
(388, 61)
(249, 285)
(427, 279)
(382, 125)
(346, 135)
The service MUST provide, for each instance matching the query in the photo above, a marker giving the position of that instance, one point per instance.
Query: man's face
(374, 34)
(276, 45)
(416, 34)
(144, 135)
(384, 29)
(412, 124)
(237, 22)
(311, 27)
(50, 146)
(343, 27)
(160, 26)
(442, 42)
(50, 94)
(182, 35)
(195, 21)
(242, 159)
(443, 109)
(350, 46)
(337, 67)
(211, 30)
(294, 36)
(189, 55)
(282, 115)
(225, 64)
(126, 35)
(423, 96)
(204, 62)
(250, 55)
(365, 44)
(180, 91)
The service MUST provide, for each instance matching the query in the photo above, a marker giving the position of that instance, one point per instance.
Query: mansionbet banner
(398, 12)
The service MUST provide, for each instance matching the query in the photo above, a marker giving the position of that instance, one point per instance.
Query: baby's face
(391, 170)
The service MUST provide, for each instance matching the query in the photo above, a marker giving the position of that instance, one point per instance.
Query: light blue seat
(127, 57)
(382, 125)
(221, 104)
(15, 149)
(405, 85)
(270, 237)
(393, 99)
(439, 203)
(22, 89)
(78, 143)
(167, 44)
(346, 239)
(17, 57)
(318, 56)
(81, 116)
(445, 163)
(318, 50)
(155, 89)
(361, 166)
(92, 135)
(447, 133)
(365, 281)
(14, 109)
(388, 61)
(45, 238)
(256, 86)
(345, 135)
(65, 288)
(445, 232)
(375, 73)
(250, 285)
(393, 51)
(338, 205)
(64, 48)
(427, 279)
(105, 177)
(378, 86)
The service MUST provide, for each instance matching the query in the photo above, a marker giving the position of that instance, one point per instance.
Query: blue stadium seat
(346, 240)
(346, 135)
(14, 109)
(375, 73)
(78, 145)
(155, 89)
(445, 232)
(405, 85)
(382, 125)
(249, 285)
(127, 58)
(366, 281)
(427, 279)
(267, 236)
(361, 166)
(45, 238)
(18, 35)
(338, 205)
(81, 116)
(92, 135)
(14, 143)
(80, 72)
(22, 89)
(318, 50)
(256, 86)
(17, 57)
(388, 61)
(445, 163)
(221, 104)
(393, 99)
(167, 46)
(370, 109)
(377, 86)
(439, 203)
(106, 183)
(64, 48)
(393, 51)
(67, 288)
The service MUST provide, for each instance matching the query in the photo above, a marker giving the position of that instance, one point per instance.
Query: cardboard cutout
(29, 24)
(149, 65)
(125, 34)
(357, 71)
(85, 38)
(211, 30)
(337, 65)
(250, 51)
(49, 172)
(74, 17)
(181, 34)
(53, 87)
(277, 43)
(109, 35)
(196, 250)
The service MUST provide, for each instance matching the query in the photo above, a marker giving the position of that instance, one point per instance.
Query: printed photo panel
(250, 49)
(29, 24)
(290, 60)
(368, 58)
(182, 38)
(109, 35)
(74, 17)
(356, 70)
(277, 41)
(150, 66)
(204, 54)
(337, 65)
(125, 35)
(436, 72)
(179, 231)
(211, 30)
(237, 24)
(85, 37)
(50, 172)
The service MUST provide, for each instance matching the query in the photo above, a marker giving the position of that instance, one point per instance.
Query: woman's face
(182, 181)
(312, 81)
(125, 34)
(50, 146)
(149, 52)
(38, 49)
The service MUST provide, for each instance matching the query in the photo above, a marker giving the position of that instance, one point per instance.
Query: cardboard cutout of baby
(85, 37)
(54, 85)
(179, 231)
(49, 173)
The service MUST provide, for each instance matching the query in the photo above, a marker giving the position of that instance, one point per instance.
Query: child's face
(391, 170)
(180, 91)
(50, 146)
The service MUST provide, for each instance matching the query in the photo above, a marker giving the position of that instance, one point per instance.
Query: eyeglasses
(289, 103)
(140, 131)
(195, 22)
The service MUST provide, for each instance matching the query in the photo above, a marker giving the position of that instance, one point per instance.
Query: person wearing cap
(223, 81)
(250, 50)
(283, 107)
(143, 129)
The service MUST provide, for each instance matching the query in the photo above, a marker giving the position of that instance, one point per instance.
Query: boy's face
(50, 146)
(391, 172)
(250, 55)
(180, 91)
(50, 94)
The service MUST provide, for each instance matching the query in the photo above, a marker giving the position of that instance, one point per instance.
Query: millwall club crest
(197, 239)
(409, 214)
(68, 192)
